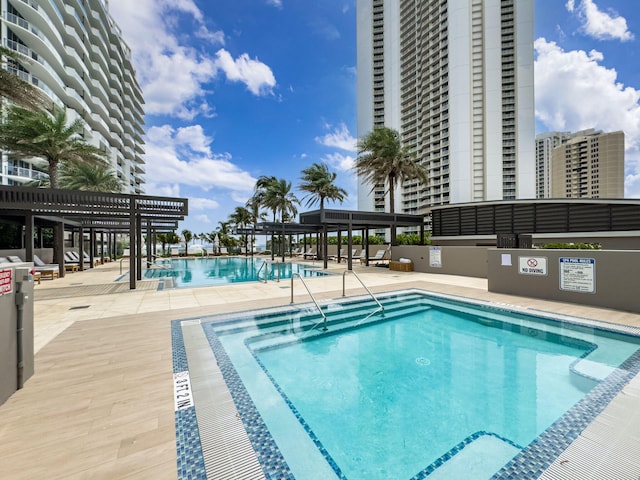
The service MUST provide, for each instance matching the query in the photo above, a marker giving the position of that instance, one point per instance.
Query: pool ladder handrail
(157, 265)
(266, 275)
(324, 317)
(380, 307)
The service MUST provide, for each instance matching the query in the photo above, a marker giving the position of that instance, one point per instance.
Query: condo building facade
(455, 78)
(545, 143)
(73, 51)
(589, 164)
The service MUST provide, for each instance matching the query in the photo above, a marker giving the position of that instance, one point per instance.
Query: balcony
(24, 173)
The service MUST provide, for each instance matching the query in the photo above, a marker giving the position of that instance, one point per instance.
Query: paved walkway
(100, 404)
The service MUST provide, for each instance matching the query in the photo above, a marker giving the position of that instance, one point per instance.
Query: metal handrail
(266, 273)
(259, 270)
(324, 317)
(344, 274)
(156, 265)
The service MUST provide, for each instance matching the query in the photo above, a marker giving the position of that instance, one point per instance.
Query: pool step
(279, 317)
(335, 324)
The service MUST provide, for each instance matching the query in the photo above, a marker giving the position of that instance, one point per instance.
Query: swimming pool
(435, 388)
(195, 272)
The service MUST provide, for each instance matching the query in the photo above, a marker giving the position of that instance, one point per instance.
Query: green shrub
(572, 246)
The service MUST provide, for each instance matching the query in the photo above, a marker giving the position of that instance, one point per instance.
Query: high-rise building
(74, 52)
(545, 143)
(590, 164)
(455, 78)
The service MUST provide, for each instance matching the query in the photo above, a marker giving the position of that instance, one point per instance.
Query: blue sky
(236, 89)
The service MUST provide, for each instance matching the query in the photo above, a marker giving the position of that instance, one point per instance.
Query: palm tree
(90, 177)
(382, 159)
(40, 134)
(17, 90)
(263, 185)
(253, 206)
(280, 198)
(187, 236)
(241, 217)
(318, 183)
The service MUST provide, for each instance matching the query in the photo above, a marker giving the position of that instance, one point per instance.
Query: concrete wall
(608, 240)
(467, 261)
(21, 281)
(601, 278)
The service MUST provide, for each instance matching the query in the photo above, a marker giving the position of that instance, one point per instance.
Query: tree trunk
(392, 206)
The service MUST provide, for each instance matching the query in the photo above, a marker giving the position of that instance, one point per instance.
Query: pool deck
(101, 406)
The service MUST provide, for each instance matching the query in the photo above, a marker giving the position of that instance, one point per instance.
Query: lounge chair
(339, 256)
(73, 257)
(50, 270)
(311, 253)
(380, 256)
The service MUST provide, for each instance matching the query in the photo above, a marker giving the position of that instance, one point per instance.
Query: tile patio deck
(100, 404)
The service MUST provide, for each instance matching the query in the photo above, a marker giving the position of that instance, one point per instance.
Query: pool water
(194, 272)
(433, 388)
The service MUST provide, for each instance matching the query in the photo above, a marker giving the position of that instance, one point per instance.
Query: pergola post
(28, 237)
(132, 243)
(350, 248)
(58, 247)
(138, 246)
(81, 247)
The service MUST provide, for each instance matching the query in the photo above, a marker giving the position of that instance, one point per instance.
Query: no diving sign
(532, 265)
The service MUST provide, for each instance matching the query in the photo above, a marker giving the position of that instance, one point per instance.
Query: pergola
(92, 212)
(325, 221)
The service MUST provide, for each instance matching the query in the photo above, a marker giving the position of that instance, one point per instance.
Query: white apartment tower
(455, 78)
(545, 143)
(74, 52)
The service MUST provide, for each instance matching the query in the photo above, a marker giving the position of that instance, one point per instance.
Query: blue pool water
(435, 388)
(195, 272)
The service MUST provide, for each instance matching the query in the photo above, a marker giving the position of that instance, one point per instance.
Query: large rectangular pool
(196, 272)
(433, 387)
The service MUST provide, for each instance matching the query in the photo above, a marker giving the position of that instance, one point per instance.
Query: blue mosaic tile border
(529, 464)
(307, 428)
(457, 449)
(544, 450)
(188, 447)
(271, 459)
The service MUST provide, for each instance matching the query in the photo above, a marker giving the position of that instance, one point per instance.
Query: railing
(324, 317)
(380, 307)
(266, 273)
(157, 265)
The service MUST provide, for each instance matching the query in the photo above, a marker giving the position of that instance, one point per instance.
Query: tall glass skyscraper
(455, 78)
(74, 52)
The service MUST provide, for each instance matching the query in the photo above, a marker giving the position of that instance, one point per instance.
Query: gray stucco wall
(467, 261)
(602, 278)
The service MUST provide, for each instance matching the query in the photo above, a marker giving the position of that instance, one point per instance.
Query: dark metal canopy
(536, 216)
(94, 211)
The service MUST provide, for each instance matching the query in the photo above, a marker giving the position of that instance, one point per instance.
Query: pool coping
(530, 463)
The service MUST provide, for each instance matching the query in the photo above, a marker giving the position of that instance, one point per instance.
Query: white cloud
(343, 163)
(173, 75)
(202, 218)
(256, 75)
(599, 24)
(275, 3)
(182, 155)
(198, 203)
(574, 92)
(338, 138)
